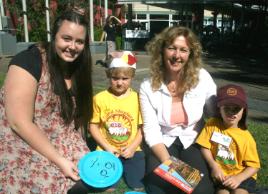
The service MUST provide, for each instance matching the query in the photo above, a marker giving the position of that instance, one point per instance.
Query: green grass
(260, 134)
(2, 77)
(121, 189)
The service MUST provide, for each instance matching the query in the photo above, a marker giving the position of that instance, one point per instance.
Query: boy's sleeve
(204, 137)
(96, 111)
(251, 153)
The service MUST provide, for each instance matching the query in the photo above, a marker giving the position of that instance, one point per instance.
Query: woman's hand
(116, 19)
(161, 152)
(68, 168)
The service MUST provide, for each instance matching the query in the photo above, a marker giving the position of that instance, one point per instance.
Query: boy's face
(231, 115)
(120, 83)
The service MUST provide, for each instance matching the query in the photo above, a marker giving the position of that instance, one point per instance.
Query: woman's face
(176, 55)
(70, 41)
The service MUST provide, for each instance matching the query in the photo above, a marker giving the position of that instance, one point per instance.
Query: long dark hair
(81, 90)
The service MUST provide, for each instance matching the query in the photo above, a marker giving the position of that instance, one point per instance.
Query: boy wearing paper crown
(116, 122)
(227, 145)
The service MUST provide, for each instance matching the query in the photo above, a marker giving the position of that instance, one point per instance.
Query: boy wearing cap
(116, 122)
(227, 145)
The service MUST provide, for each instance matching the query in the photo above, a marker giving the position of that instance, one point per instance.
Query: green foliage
(97, 33)
(118, 41)
(35, 16)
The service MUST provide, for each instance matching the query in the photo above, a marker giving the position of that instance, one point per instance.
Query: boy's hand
(232, 182)
(217, 174)
(113, 150)
(127, 152)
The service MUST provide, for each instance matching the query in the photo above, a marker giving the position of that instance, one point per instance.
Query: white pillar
(2, 8)
(91, 20)
(105, 9)
(2, 14)
(148, 27)
(25, 21)
(48, 20)
(101, 13)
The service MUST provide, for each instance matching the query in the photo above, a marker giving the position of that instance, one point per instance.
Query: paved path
(249, 73)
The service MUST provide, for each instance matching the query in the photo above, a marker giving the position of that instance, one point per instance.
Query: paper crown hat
(123, 59)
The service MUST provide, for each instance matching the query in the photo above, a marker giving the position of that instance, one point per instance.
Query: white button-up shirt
(156, 111)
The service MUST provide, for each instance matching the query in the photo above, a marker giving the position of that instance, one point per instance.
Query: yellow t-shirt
(118, 117)
(241, 153)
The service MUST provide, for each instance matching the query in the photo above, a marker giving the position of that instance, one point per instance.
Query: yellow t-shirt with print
(241, 153)
(118, 118)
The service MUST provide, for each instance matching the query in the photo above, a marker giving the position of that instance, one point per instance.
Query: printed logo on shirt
(225, 157)
(118, 128)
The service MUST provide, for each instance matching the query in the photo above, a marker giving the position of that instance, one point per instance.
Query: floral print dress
(22, 169)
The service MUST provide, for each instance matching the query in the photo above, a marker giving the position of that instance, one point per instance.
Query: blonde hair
(128, 71)
(188, 77)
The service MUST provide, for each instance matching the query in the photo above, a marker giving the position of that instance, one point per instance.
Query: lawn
(260, 133)
(258, 130)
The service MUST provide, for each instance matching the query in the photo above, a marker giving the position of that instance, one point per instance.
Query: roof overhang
(175, 1)
(223, 6)
(257, 2)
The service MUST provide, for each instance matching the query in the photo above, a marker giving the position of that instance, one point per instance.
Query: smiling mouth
(176, 62)
(173, 60)
(231, 117)
(70, 53)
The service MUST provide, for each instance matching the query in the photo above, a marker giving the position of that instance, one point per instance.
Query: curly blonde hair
(188, 77)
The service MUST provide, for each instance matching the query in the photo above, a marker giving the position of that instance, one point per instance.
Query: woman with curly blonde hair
(174, 101)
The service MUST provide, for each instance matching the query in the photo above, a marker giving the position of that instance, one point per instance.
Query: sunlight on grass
(260, 134)
(121, 189)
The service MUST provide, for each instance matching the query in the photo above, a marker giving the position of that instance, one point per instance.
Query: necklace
(172, 88)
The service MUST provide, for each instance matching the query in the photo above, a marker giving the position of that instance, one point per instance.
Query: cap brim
(229, 101)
